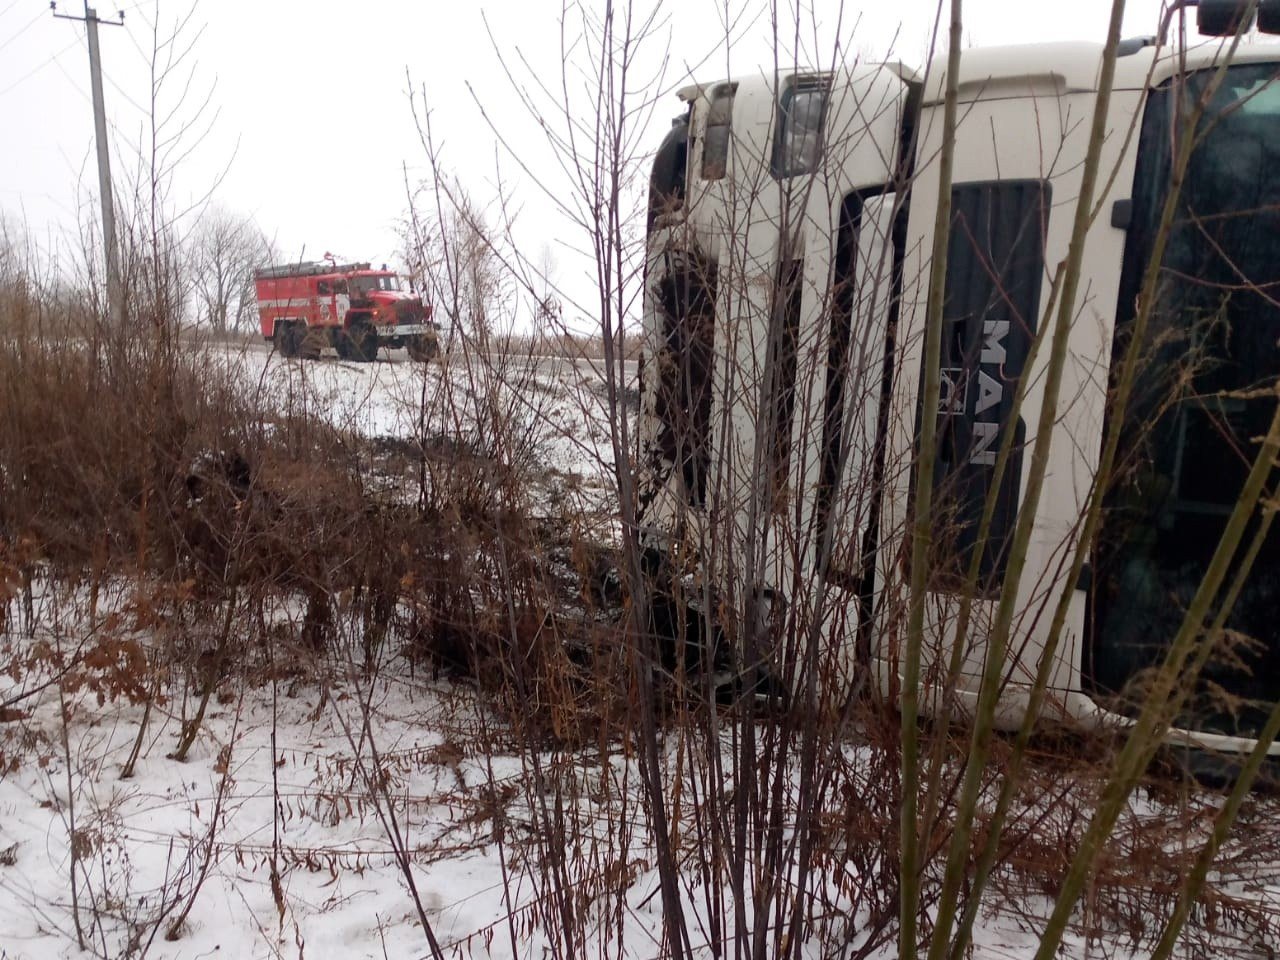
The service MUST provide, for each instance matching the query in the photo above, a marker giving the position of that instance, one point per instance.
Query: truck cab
(788, 263)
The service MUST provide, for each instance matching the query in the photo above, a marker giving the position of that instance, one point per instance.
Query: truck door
(324, 314)
(341, 301)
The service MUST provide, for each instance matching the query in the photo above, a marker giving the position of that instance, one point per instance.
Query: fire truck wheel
(287, 339)
(345, 346)
(358, 343)
(422, 347)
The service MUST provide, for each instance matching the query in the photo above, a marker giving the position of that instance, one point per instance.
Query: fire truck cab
(305, 307)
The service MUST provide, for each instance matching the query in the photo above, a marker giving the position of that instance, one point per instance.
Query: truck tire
(286, 339)
(311, 341)
(423, 347)
(359, 342)
(345, 345)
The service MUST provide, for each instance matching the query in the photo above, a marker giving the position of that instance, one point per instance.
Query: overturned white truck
(790, 226)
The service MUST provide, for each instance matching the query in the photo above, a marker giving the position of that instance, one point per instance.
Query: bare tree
(453, 260)
(225, 247)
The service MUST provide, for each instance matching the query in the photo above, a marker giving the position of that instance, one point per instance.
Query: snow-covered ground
(554, 405)
(276, 837)
(272, 830)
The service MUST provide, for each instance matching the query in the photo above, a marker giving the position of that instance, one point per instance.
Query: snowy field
(282, 833)
(559, 405)
(273, 833)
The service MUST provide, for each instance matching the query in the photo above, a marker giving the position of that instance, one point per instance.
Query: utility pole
(115, 296)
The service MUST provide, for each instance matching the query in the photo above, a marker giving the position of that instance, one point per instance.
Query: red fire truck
(305, 307)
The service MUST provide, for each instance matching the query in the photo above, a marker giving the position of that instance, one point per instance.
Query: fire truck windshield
(1208, 363)
(368, 284)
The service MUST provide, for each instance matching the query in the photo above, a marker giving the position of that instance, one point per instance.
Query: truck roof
(315, 269)
(1074, 67)
(1042, 68)
(1016, 70)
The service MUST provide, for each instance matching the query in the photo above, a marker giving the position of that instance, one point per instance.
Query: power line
(119, 132)
(13, 4)
(124, 93)
(39, 16)
(36, 69)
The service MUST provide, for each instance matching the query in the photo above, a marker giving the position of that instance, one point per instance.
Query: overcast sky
(306, 123)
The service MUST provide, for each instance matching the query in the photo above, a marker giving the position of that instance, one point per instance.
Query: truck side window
(797, 148)
(322, 288)
(715, 145)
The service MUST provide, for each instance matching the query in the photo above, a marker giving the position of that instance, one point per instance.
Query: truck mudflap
(404, 330)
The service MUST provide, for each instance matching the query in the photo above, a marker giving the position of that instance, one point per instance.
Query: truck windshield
(1203, 398)
(368, 284)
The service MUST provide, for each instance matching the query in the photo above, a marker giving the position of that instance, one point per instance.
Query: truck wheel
(286, 339)
(310, 341)
(422, 347)
(359, 343)
(345, 345)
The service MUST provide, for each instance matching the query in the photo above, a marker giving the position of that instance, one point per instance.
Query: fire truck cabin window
(369, 284)
(322, 288)
(1204, 396)
(798, 146)
(715, 145)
